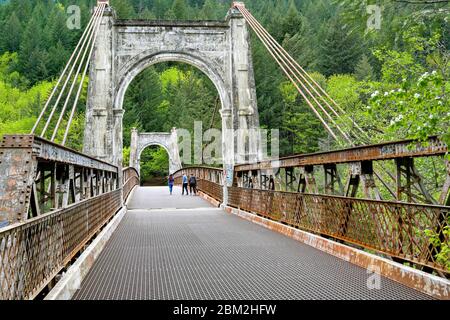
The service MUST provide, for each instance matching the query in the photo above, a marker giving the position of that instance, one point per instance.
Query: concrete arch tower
(124, 48)
(168, 141)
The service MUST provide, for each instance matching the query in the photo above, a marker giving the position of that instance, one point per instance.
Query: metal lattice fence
(412, 232)
(34, 252)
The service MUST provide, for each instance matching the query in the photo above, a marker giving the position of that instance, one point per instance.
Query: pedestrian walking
(171, 183)
(185, 185)
(193, 184)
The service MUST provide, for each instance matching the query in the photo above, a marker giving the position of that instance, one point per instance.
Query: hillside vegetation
(393, 81)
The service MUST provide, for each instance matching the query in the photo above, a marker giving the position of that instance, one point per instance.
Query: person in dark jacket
(193, 184)
(272, 184)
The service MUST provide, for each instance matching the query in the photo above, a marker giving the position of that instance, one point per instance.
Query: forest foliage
(394, 81)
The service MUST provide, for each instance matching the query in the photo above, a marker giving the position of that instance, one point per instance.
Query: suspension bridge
(360, 222)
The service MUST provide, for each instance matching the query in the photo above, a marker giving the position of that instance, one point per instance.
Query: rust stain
(383, 151)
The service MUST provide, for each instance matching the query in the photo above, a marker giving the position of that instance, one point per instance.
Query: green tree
(123, 8)
(170, 15)
(180, 9)
(19, 108)
(12, 34)
(340, 49)
(144, 98)
(146, 14)
(160, 8)
(363, 69)
(292, 22)
(154, 165)
(298, 47)
(208, 11)
(57, 58)
(302, 131)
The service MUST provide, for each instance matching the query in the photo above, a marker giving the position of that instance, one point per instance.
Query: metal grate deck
(207, 254)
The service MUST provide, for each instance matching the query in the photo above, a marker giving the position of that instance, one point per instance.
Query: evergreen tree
(124, 8)
(22, 9)
(299, 47)
(292, 23)
(180, 9)
(208, 10)
(57, 58)
(170, 15)
(12, 34)
(56, 30)
(146, 14)
(340, 49)
(363, 69)
(160, 8)
(32, 58)
(145, 97)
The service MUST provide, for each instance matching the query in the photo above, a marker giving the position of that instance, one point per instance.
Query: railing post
(311, 180)
(331, 178)
(445, 195)
(362, 173)
(264, 180)
(302, 184)
(290, 179)
(406, 168)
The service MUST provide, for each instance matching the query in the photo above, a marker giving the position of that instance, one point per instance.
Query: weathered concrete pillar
(243, 90)
(228, 154)
(116, 144)
(100, 120)
(174, 156)
(134, 148)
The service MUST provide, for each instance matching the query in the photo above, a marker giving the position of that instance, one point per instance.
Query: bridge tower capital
(237, 4)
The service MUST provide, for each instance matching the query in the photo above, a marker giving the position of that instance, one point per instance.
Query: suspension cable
(96, 14)
(91, 43)
(298, 88)
(297, 68)
(257, 29)
(66, 133)
(62, 75)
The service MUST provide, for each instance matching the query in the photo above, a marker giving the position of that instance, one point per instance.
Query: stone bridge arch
(168, 141)
(146, 59)
(124, 48)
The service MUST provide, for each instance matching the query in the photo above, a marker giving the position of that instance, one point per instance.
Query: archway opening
(170, 95)
(154, 166)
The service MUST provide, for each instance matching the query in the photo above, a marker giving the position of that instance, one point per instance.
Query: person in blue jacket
(171, 183)
(185, 184)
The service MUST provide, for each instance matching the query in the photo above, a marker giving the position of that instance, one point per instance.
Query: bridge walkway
(180, 247)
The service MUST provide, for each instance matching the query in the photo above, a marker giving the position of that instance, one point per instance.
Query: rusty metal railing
(38, 176)
(131, 179)
(375, 152)
(209, 180)
(411, 232)
(351, 209)
(397, 170)
(212, 189)
(32, 253)
(61, 198)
